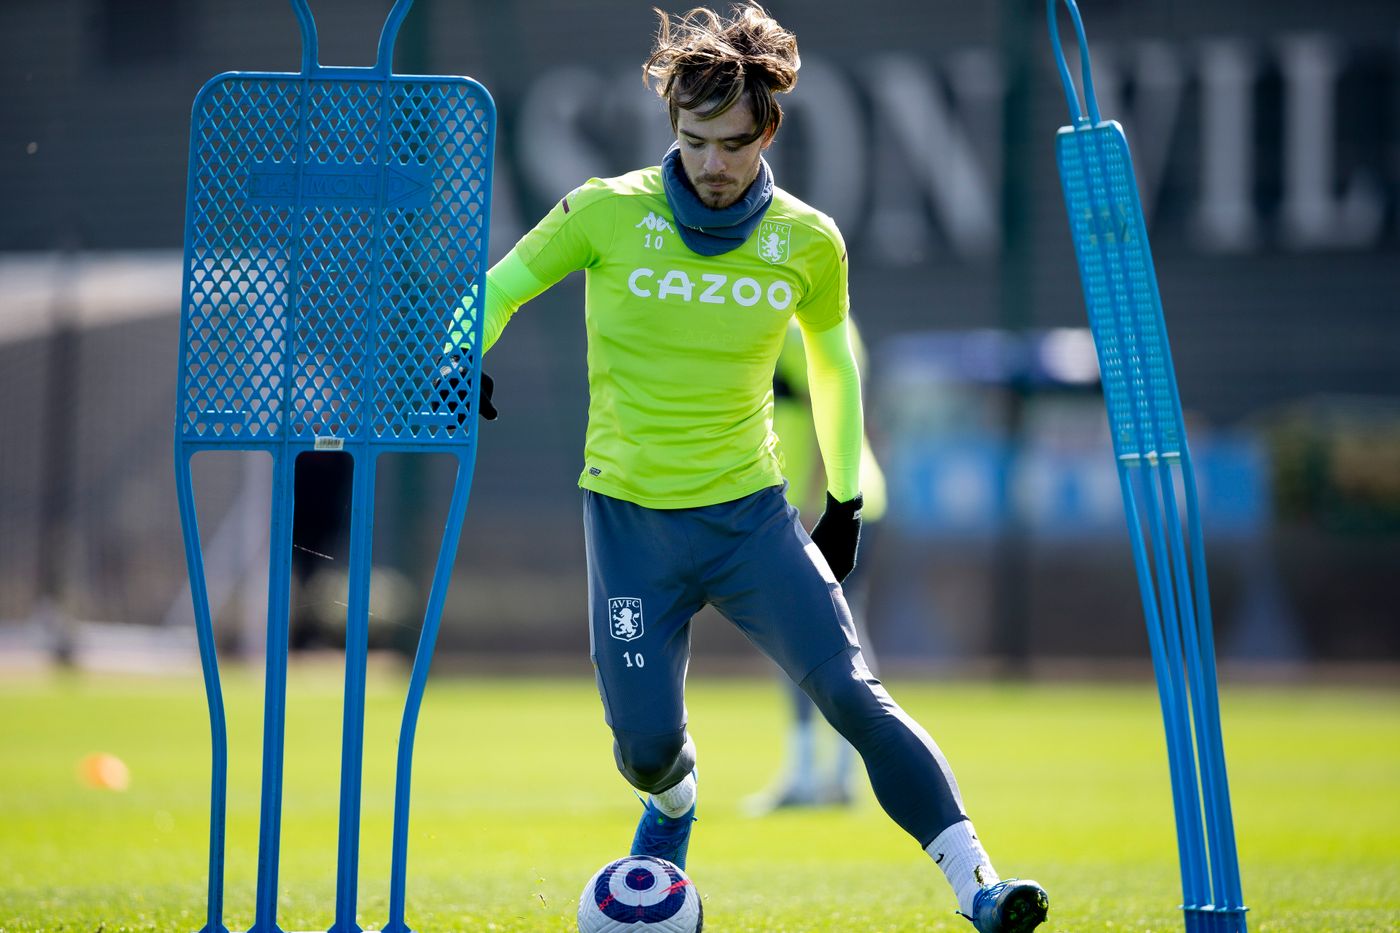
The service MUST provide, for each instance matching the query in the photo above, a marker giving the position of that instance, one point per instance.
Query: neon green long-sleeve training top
(681, 347)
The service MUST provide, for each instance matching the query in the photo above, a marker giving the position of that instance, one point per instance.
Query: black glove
(451, 385)
(483, 401)
(837, 534)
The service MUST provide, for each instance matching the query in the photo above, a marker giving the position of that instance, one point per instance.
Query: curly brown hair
(706, 64)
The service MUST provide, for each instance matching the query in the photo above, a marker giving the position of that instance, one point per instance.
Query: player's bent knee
(653, 763)
(847, 693)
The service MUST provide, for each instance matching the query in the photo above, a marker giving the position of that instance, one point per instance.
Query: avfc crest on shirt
(773, 241)
(625, 618)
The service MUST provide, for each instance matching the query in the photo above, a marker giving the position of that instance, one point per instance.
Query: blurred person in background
(813, 776)
(694, 269)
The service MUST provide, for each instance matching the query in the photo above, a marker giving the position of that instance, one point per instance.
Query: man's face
(716, 160)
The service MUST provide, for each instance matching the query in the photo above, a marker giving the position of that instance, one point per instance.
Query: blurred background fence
(1267, 143)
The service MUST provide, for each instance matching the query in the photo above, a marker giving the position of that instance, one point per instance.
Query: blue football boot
(662, 836)
(1011, 906)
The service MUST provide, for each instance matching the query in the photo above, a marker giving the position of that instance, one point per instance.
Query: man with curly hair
(694, 268)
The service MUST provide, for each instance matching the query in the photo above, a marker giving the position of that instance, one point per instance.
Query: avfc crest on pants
(625, 618)
(773, 239)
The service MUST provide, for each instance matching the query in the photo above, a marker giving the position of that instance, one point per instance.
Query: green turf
(516, 803)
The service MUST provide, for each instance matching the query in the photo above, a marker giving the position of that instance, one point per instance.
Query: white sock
(845, 763)
(677, 801)
(959, 853)
(802, 747)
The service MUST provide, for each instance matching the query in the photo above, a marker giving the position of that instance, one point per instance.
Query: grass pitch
(516, 803)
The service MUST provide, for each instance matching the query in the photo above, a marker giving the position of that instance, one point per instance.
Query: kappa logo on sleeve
(625, 618)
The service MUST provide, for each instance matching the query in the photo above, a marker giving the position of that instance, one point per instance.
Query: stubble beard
(718, 201)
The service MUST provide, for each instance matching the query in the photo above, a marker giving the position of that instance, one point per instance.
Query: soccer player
(693, 270)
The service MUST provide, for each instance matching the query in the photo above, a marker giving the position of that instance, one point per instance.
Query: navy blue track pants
(651, 570)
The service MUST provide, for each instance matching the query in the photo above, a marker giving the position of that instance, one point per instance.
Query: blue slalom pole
(275, 692)
(1149, 439)
(352, 743)
(427, 639)
(213, 692)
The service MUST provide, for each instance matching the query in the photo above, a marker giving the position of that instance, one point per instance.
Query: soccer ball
(638, 894)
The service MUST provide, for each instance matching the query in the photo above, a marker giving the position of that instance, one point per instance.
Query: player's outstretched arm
(834, 383)
(509, 284)
(562, 242)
